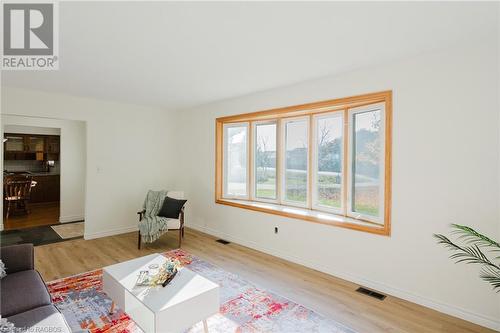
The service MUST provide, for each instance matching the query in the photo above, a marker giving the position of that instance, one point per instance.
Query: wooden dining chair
(17, 192)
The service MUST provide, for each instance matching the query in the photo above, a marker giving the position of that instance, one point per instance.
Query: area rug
(36, 235)
(69, 230)
(244, 306)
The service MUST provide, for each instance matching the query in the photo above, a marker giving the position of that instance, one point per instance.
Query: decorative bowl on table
(159, 275)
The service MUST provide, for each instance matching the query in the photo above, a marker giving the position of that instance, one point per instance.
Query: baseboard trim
(110, 232)
(71, 218)
(448, 309)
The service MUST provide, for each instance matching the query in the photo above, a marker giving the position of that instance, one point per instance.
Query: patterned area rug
(244, 307)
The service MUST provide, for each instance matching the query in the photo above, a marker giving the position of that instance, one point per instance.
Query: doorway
(43, 179)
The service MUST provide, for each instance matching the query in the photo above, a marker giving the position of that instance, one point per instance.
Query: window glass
(265, 161)
(235, 157)
(329, 163)
(366, 162)
(296, 156)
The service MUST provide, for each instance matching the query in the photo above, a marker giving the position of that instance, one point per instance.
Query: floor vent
(223, 241)
(371, 293)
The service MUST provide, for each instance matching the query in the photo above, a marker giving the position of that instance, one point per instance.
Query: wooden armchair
(173, 224)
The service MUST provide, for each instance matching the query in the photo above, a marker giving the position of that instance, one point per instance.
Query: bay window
(327, 162)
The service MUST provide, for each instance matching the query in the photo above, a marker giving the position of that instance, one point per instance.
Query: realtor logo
(29, 36)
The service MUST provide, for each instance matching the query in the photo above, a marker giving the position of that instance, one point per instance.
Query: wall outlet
(275, 230)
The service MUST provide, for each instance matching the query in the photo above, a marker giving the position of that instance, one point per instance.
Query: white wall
(445, 170)
(72, 158)
(22, 129)
(129, 150)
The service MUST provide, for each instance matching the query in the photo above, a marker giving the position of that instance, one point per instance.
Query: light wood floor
(41, 214)
(323, 293)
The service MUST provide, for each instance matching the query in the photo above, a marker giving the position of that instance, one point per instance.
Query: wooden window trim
(303, 110)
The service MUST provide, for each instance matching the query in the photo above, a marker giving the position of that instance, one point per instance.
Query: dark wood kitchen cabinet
(47, 189)
(31, 147)
(15, 143)
(35, 143)
(53, 144)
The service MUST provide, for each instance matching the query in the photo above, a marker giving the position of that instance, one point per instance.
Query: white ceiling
(177, 55)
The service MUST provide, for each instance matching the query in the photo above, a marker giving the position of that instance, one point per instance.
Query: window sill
(309, 215)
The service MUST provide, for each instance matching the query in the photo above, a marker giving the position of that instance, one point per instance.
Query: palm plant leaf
(468, 254)
(470, 235)
(492, 277)
(472, 254)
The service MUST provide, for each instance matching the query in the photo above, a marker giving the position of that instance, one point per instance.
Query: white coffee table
(188, 299)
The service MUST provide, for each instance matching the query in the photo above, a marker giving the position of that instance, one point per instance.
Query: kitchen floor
(46, 213)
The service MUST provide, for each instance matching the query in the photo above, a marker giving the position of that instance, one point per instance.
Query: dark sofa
(24, 298)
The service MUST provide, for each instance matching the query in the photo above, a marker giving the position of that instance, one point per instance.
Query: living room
(296, 167)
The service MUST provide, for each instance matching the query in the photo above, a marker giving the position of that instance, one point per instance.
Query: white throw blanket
(153, 226)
